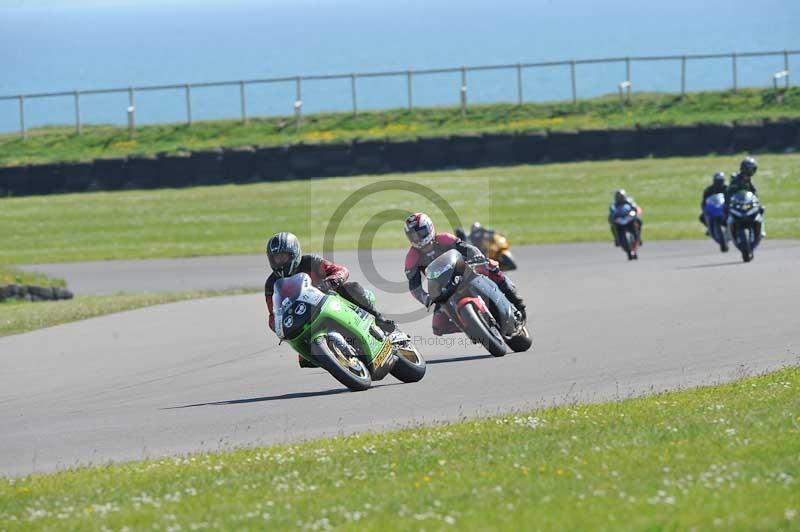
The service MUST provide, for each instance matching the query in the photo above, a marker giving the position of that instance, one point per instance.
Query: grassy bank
(12, 276)
(723, 457)
(61, 144)
(19, 317)
(542, 203)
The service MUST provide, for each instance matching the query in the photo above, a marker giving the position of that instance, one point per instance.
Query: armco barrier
(305, 160)
(108, 174)
(748, 136)
(530, 147)
(465, 151)
(369, 156)
(433, 153)
(685, 140)
(624, 143)
(176, 170)
(498, 149)
(243, 165)
(655, 141)
(143, 172)
(77, 176)
(402, 156)
(563, 145)
(272, 164)
(207, 167)
(781, 134)
(45, 178)
(239, 165)
(716, 138)
(594, 144)
(335, 159)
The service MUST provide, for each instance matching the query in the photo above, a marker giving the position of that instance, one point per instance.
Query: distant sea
(64, 45)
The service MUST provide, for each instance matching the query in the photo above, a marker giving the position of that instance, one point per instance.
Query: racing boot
(304, 363)
(386, 325)
(510, 291)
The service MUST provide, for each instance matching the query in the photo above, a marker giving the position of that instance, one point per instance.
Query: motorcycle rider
(286, 259)
(621, 198)
(478, 234)
(717, 187)
(744, 181)
(426, 245)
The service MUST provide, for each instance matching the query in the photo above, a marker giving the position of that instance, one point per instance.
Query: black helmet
(748, 167)
(719, 178)
(620, 197)
(283, 252)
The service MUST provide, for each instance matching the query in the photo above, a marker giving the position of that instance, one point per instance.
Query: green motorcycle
(340, 337)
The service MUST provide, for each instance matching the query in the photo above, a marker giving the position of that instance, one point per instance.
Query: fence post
(130, 97)
(519, 84)
(628, 78)
(23, 133)
(353, 92)
(77, 113)
(786, 66)
(574, 88)
(298, 102)
(463, 91)
(188, 91)
(243, 101)
(735, 73)
(409, 87)
(683, 75)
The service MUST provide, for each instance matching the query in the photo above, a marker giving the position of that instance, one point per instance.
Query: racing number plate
(383, 355)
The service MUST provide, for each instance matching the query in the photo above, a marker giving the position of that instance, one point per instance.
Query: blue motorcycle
(714, 215)
(745, 220)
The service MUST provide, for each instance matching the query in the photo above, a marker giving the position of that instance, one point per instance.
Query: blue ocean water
(64, 45)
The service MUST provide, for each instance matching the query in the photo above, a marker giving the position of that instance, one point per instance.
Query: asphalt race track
(205, 375)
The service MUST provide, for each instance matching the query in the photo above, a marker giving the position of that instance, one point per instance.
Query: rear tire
(479, 331)
(521, 342)
(341, 362)
(409, 366)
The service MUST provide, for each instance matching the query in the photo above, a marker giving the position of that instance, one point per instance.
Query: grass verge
(725, 456)
(531, 204)
(21, 316)
(51, 144)
(12, 276)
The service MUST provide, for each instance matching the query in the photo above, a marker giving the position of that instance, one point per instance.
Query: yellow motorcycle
(491, 243)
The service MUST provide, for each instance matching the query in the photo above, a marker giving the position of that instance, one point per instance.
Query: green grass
(725, 457)
(59, 143)
(531, 204)
(20, 316)
(12, 276)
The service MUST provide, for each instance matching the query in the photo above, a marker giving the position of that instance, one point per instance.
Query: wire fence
(408, 79)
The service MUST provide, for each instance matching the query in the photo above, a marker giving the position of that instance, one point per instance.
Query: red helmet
(419, 229)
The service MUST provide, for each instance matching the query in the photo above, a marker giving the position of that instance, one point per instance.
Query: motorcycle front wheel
(481, 332)
(340, 361)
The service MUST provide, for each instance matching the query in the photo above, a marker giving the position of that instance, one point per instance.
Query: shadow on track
(699, 266)
(457, 359)
(294, 395)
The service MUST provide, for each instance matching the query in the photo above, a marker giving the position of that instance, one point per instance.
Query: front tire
(409, 366)
(747, 246)
(338, 358)
(479, 331)
(520, 342)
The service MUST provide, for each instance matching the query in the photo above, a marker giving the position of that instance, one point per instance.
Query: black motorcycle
(745, 220)
(475, 303)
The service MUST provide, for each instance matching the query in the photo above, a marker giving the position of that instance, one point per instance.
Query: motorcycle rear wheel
(409, 366)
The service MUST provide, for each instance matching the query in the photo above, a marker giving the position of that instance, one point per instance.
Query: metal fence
(407, 77)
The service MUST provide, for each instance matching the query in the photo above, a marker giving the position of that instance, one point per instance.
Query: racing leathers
(418, 259)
